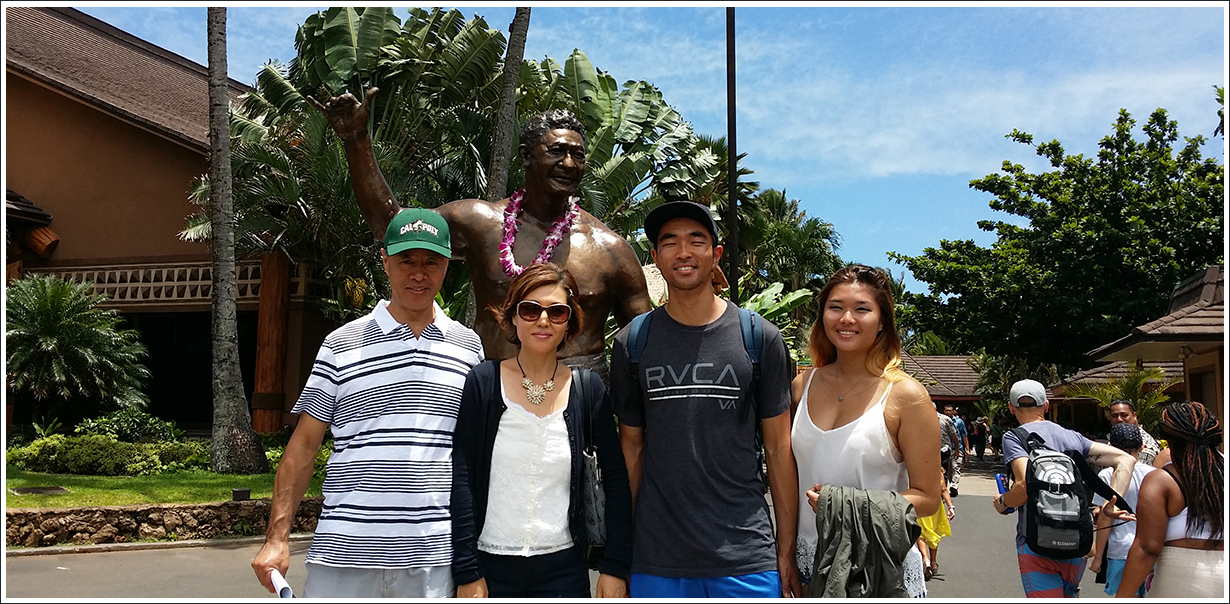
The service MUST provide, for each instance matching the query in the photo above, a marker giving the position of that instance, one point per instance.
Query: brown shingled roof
(1119, 369)
(18, 209)
(945, 376)
(117, 72)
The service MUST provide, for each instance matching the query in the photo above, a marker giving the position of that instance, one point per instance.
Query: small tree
(62, 348)
(1144, 388)
(997, 373)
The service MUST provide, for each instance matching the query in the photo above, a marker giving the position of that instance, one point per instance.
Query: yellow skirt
(935, 527)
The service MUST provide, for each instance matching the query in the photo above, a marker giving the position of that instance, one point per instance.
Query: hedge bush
(131, 426)
(104, 455)
(274, 455)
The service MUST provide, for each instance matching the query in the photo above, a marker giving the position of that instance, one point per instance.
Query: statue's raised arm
(348, 117)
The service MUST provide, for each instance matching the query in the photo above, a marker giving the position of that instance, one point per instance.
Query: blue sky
(876, 118)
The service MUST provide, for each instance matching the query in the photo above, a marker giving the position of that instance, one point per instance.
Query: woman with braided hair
(1179, 513)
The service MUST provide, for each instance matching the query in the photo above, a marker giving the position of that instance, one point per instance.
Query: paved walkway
(977, 561)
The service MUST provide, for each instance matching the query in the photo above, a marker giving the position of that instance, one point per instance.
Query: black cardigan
(473, 441)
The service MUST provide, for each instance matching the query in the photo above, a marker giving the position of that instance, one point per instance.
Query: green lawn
(195, 486)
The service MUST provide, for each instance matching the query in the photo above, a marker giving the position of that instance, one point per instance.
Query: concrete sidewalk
(144, 545)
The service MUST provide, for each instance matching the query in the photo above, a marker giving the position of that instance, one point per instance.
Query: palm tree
(234, 448)
(501, 149)
(996, 374)
(927, 343)
(714, 192)
(792, 247)
(1144, 388)
(62, 349)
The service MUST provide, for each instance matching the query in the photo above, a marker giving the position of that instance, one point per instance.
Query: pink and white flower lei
(554, 236)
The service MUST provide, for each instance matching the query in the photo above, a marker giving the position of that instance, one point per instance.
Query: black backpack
(1058, 521)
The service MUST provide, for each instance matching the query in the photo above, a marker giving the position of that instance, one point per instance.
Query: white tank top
(859, 454)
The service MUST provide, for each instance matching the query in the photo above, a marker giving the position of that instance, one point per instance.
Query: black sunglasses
(530, 311)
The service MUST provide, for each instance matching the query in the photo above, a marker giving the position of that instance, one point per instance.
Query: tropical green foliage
(131, 426)
(1145, 388)
(926, 343)
(634, 142)
(1220, 130)
(104, 455)
(1105, 241)
(791, 247)
(997, 373)
(777, 307)
(274, 455)
(431, 126)
(66, 355)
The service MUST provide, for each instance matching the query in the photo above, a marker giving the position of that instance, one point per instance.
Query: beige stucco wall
(115, 191)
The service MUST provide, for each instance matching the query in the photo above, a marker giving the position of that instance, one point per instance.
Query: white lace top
(531, 468)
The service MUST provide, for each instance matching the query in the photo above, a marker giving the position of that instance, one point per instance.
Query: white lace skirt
(913, 578)
(911, 571)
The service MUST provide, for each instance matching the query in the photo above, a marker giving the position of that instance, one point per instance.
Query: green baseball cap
(417, 229)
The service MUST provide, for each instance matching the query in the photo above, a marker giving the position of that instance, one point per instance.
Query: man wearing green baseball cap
(388, 386)
(415, 257)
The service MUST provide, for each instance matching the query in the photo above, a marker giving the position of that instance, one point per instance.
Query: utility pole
(732, 165)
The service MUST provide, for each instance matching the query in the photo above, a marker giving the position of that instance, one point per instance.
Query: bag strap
(1096, 483)
(580, 384)
(638, 335)
(753, 343)
(1029, 440)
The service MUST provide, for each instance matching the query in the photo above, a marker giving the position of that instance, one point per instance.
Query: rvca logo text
(694, 381)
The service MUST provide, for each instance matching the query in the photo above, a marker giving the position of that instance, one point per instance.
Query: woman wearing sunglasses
(517, 509)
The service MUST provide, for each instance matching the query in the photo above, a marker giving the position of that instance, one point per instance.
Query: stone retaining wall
(117, 524)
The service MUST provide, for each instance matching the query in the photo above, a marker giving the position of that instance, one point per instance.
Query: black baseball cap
(679, 209)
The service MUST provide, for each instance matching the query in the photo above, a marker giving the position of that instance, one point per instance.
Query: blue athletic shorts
(755, 585)
(1114, 575)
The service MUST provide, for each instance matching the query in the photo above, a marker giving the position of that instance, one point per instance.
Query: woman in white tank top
(859, 420)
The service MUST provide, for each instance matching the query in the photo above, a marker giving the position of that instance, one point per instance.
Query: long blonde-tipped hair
(884, 358)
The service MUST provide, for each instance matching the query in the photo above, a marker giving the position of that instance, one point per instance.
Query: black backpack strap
(638, 335)
(1096, 483)
(1028, 439)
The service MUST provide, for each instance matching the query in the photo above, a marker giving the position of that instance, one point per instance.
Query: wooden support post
(268, 400)
(41, 241)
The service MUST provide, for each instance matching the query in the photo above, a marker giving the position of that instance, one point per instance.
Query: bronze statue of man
(552, 150)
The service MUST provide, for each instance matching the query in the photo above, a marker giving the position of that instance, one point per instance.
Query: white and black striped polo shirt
(391, 400)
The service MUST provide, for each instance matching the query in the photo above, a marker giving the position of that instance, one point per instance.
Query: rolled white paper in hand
(280, 585)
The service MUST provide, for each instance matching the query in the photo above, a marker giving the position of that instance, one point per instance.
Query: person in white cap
(1044, 577)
